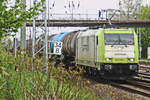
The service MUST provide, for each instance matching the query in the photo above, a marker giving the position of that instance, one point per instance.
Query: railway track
(136, 85)
(141, 80)
(144, 75)
(144, 71)
(144, 67)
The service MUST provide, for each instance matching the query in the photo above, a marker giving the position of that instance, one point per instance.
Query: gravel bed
(108, 92)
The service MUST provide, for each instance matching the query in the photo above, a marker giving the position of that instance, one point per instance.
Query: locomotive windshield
(119, 39)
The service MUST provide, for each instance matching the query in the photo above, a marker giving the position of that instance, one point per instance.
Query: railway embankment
(135, 89)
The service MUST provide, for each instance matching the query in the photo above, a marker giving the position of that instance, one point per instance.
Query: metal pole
(46, 39)
(23, 33)
(72, 12)
(33, 42)
(33, 39)
(48, 10)
(139, 31)
(120, 9)
(140, 47)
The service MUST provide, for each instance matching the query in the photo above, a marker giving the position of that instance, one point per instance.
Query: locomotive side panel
(86, 48)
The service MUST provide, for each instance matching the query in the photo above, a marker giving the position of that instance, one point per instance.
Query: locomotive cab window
(119, 39)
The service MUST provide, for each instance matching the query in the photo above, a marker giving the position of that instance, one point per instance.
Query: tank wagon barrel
(69, 43)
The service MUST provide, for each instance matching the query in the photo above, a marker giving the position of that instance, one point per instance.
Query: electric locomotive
(112, 53)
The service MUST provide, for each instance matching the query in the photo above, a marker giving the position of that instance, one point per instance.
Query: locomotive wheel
(95, 72)
(89, 71)
(92, 71)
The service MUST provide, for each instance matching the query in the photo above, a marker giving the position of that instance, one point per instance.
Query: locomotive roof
(118, 31)
(91, 32)
(88, 33)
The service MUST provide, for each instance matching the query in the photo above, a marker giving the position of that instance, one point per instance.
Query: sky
(86, 8)
(88, 4)
(85, 5)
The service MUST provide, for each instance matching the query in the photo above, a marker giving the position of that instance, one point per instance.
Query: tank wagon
(110, 53)
(58, 37)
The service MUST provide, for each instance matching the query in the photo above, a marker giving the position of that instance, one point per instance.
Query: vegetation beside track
(19, 82)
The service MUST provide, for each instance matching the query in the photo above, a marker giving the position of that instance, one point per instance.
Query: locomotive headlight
(109, 59)
(133, 67)
(131, 59)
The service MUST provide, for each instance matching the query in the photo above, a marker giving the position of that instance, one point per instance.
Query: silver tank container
(69, 43)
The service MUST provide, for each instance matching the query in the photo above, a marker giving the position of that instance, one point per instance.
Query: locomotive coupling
(133, 67)
(108, 67)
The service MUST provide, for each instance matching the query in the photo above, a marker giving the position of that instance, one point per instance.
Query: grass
(19, 82)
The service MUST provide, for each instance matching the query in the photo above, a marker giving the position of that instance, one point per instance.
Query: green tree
(129, 8)
(145, 39)
(13, 17)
